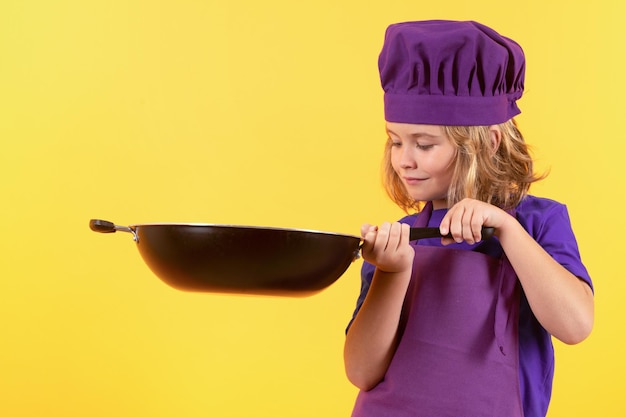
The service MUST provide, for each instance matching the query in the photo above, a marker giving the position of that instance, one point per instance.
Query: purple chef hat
(450, 73)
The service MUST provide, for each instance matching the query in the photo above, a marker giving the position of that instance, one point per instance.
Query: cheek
(442, 171)
(447, 163)
(448, 174)
(444, 167)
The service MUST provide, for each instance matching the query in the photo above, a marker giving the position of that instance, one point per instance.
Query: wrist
(508, 226)
(396, 279)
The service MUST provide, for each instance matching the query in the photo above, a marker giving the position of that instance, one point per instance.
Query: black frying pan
(246, 259)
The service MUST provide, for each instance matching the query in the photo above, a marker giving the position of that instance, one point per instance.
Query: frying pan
(246, 259)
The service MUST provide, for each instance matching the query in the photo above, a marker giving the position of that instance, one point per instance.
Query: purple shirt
(547, 221)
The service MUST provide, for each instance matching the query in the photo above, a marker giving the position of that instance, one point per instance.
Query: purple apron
(458, 349)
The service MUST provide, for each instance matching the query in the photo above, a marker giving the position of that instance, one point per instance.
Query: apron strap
(424, 215)
(502, 309)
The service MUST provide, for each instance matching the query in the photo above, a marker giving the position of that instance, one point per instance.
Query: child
(460, 326)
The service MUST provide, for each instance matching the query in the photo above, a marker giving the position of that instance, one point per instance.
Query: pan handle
(417, 233)
(104, 226)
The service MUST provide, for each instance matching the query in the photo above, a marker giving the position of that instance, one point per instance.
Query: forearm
(372, 339)
(562, 303)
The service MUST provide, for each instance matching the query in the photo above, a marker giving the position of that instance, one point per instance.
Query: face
(422, 156)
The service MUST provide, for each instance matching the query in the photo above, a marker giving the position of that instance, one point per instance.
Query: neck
(440, 204)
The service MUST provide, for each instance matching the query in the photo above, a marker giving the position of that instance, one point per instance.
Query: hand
(466, 218)
(387, 247)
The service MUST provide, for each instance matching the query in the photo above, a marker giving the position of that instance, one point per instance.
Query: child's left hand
(466, 218)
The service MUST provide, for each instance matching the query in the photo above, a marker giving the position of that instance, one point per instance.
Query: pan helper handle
(104, 226)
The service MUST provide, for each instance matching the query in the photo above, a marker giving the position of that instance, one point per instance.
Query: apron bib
(458, 349)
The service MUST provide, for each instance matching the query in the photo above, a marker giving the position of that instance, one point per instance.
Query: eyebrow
(415, 135)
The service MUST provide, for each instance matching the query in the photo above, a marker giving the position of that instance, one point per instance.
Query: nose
(407, 157)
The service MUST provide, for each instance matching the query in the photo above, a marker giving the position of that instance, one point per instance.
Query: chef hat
(450, 73)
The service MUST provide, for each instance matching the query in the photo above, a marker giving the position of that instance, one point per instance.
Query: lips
(413, 180)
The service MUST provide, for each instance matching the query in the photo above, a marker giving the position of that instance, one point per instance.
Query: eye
(424, 147)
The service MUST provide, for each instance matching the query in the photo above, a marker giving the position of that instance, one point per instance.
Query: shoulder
(536, 213)
(533, 204)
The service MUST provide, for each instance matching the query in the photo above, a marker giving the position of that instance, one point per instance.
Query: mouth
(413, 180)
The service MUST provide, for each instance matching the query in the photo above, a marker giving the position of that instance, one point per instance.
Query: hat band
(450, 110)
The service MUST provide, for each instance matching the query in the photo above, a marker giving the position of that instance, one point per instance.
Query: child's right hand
(387, 246)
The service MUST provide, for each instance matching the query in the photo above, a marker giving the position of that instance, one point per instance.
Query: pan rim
(246, 227)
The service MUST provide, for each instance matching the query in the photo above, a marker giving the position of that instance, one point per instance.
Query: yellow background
(259, 113)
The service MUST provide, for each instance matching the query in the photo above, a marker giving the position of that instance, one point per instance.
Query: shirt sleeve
(548, 222)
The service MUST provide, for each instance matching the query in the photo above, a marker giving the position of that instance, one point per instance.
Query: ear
(495, 136)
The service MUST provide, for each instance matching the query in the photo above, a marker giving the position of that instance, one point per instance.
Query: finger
(368, 233)
(444, 226)
(395, 236)
(405, 234)
(477, 225)
(466, 225)
(456, 223)
(367, 228)
(473, 222)
(382, 237)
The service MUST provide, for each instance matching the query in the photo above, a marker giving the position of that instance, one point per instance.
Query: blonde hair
(501, 179)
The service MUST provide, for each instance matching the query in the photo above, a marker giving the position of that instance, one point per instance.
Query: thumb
(367, 228)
